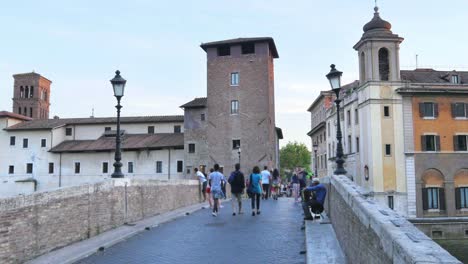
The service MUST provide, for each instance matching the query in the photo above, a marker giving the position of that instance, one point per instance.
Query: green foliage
(293, 155)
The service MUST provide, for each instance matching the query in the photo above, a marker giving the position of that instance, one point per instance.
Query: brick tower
(31, 95)
(240, 103)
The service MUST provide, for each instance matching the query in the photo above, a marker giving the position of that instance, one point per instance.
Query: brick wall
(35, 224)
(371, 233)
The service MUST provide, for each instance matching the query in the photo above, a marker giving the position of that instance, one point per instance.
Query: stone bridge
(69, 224)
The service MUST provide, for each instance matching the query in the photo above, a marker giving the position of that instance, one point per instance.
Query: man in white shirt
(266, 177)
(203, 182)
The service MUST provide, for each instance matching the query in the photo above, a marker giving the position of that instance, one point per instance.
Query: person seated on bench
(314, 197)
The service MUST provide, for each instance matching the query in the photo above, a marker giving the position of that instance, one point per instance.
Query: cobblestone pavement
(274, 236)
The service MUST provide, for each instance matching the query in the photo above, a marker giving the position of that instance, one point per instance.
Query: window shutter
(421, 109)
(455, 143)
(466, 110)
(425, 199)
(453, 109)
(437, 143)
(441, 198)
(423, 143)
(436, 109)
(457, 198)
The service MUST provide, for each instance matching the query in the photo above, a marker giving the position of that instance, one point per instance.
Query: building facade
(239, 111)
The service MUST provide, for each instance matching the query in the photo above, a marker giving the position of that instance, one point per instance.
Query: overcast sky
(79, 44)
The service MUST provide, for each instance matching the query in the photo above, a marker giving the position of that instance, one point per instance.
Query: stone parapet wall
(371, 233)
(35, 224)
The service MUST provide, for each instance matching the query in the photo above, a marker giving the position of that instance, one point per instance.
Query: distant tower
(378, 51)
(240, 103)
(31, 95)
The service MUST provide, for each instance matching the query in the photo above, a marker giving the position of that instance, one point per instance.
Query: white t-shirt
(201, 177)
(265, 177)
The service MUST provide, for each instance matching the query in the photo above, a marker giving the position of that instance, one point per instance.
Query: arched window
(26, 92)
(461, 189)
(21, 92)
(362, 62)
(433, 193)
(384, 66)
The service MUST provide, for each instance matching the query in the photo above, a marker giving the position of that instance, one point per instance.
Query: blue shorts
(217, 194)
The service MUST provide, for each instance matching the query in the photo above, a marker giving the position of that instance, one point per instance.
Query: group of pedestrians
(258, 185)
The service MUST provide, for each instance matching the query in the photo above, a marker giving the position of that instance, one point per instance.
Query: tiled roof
(53, 123)
(270, 41)
(129, 142)
(14, 115)
(199, 102)
(432, 76)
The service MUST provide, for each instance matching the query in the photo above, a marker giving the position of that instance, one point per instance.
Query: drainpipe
(169, 165)
(60, 170)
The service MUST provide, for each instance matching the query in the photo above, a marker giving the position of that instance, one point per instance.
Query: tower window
(26, 92)
(11, 169)
(388, 150)
(363, 66)
(21, 92)
(386, 111)
(224, 50)
(234, 107)
(31, 92)
(19, 110)
(384, 66)
(235, 143)
(191, 148)
(248, 48)
(234, 79)
(12, 140)
(77, 168)
(30, 112)
(177, 129)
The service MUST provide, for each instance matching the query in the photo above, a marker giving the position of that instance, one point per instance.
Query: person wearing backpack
(237, 189)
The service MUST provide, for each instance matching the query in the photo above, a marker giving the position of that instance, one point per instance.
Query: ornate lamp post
(334, 76)
(118, 83)
(239, 153)
(315, 147)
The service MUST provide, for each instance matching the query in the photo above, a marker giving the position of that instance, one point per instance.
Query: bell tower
(31, 95)
(378, 51)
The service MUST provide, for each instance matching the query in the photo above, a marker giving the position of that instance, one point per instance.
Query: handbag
(249, 189)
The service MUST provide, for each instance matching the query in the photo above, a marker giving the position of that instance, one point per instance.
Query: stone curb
(80, 250)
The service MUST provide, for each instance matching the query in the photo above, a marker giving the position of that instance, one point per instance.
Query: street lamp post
(239, 153)
(315, 147)
(118, 84)
(334, 76)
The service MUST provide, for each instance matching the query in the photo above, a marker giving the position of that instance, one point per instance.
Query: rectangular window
(234, 78)
(105, 167)
(191, 148)
(25, 142)
(348, 117)
(455, 79)
(68, 131)
(158, 166)
(235, 143)
(350, 149)
(107, 129)
(51, 167)
(430, 143)
(459, 110)
(30, 112)
(77, 167)
(461, 195)
(390, 202)
(428, 109)
(202, 117)
(433, 198)
(29, 168)
(180, 166)
(356, 117)
(234, 107)
(150, 129)
(11, 169)
(459, 142)
(329, 129)
(224, 50)
(12, 140)
(130, 167)
(388, 150)
(43, 143)
(357, 144)
(177, 129)
(386, 111)
(248, 48)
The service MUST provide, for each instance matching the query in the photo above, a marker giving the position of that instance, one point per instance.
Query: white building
(46, 154)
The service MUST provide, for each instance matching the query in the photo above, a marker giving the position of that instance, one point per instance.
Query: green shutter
(441, 198)
(457, 198)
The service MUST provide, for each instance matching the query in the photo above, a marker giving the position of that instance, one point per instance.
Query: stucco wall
(35, 224)
(371, 233)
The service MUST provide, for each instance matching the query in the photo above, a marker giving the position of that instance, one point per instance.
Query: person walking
(216, 178)
(295, 187)
(266, 177)
(237, 182)
(275, 184)
(255, 183)
(203, 182)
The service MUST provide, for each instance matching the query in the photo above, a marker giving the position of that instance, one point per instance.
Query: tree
(293, 155)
